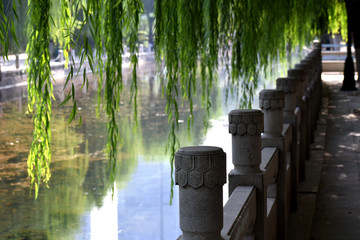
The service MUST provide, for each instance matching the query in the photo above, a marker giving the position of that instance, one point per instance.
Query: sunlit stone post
(200, 174)
(271, 102)
(288, 86)
(246, 127)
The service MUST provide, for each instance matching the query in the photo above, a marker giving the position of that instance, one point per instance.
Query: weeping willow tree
(191, 39)
(245, 35)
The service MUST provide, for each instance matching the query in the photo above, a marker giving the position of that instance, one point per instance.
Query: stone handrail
(269, 149)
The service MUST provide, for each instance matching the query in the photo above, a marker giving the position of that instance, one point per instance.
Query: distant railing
(269, 148)
(333, 57)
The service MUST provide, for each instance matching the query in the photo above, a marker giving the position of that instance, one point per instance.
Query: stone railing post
(246, 127)
(288, 86)
(306, 132)
(315, 58)
(299, 75)
(17, 61)
(311, 62)
(200, 174)
(271, 102)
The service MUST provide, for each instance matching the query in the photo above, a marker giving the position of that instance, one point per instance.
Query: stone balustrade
(269, 150)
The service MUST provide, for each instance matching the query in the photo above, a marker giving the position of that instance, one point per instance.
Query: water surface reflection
(78, 203)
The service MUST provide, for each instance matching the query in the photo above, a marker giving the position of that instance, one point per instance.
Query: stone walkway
(329, 198)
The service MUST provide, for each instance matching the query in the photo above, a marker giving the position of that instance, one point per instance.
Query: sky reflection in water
(79, 204)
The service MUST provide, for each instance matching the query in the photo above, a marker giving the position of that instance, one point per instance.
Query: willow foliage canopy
(192, 37)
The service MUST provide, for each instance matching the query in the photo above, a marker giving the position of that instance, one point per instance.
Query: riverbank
(12, 75)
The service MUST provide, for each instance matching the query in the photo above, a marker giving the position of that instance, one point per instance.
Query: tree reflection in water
(79, 180)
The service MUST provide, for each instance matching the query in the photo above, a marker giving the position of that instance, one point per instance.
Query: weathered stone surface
(201, 174)
(298, 73)
(272, 102)
(271, 99)
(250, 122)
(246, 141)
(196, 166)
(287, 85)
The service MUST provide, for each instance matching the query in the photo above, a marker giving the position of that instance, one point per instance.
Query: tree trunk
(357, 58)
(349, 80)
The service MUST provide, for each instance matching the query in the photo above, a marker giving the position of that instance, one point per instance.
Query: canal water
(79, 203)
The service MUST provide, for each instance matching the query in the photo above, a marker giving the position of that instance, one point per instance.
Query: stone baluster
(315, 55)
(306, 133)
(272, 102)
(17, 61)
(319, 61)
(310, 88)
(289, 86)
(246, 127)
(299, 75)
(312, 60)
(200, 174)
(314, 86)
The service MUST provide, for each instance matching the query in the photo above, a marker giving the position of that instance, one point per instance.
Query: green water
(78, 203)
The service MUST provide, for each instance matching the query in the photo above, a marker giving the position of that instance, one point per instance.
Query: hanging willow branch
(107, 22)
(40, 91)
(248, 34)
(190, 36)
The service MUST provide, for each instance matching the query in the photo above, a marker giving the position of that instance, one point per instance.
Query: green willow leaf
(15, 11)
(66, 99)
(73, 113)
(12, 29)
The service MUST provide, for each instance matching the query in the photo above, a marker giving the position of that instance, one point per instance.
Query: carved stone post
(288, 85)
(271, 102)
(200, 174)
(246, 127)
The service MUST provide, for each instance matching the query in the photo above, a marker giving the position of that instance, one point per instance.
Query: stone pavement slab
(300, 221)
(337, 211)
